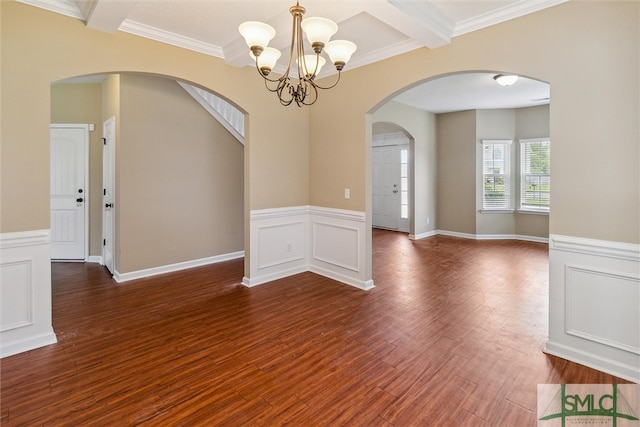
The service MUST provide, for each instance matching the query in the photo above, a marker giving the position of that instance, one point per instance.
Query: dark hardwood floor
(452, 335)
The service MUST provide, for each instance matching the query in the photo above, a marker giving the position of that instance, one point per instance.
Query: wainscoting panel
(16, 307)
(594, 304)
(25, 291)
(285, 244)
(279, 240)
(338, 246)
(287, 241)
(618, 306)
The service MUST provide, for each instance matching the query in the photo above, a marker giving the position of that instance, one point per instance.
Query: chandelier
(302, 88)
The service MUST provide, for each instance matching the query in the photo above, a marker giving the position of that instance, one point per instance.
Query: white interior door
(387, 181)
(69, 195)
(108, 197)
(390, 185)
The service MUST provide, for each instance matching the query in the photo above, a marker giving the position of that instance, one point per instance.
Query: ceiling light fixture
(505, 79)
(304, 90)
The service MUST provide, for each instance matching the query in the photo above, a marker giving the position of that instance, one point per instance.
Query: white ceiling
(469, 91)
(380, 28)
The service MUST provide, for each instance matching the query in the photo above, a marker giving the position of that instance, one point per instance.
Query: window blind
(496, 174)
(535, 180)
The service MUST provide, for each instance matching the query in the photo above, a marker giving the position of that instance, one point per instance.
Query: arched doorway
(392, 168)
(179, 173)
(448, 116)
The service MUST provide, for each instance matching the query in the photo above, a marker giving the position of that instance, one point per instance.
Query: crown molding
(153, 33)
(506, 13)
(63, 7)
(69, 8)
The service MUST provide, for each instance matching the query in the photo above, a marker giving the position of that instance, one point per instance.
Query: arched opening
(428, 110)
(178, 173)
(448, 117)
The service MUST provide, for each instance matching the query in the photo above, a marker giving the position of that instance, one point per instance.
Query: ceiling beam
(420, 21)
(105, 15)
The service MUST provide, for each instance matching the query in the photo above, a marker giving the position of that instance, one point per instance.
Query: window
(404, 183)
(535, 182)
(496, 175)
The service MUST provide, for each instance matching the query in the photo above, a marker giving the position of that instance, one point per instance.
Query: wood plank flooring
(452, 335)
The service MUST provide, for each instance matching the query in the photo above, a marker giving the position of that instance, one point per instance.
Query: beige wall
(456, 133)
(82, 104)
(533, 122)
(181, 178)
(572, 46)
(40, 47)
(180, 173)
(511, 124)
(494, 124)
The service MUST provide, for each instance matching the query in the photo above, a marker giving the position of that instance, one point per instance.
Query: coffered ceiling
(380, 28)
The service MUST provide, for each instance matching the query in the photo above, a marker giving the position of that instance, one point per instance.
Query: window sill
(497, 211)
(532, 212)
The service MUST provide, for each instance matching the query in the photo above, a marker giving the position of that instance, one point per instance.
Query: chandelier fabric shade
(298, 86)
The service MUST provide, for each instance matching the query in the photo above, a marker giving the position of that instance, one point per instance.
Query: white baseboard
(423, 235)
(27, 344)
(481, 236)
(456, 234)
(365, 285)
(266, 278)
(97, 259)
(512, 237)
(603, 364)
(139, 274)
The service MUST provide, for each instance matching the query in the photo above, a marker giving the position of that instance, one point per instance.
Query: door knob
(79, 199)
(108, 205)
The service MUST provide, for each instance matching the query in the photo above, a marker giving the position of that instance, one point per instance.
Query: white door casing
(69, 182)
(108, 193)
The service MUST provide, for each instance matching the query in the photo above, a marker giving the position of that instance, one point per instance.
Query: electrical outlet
(347, 193)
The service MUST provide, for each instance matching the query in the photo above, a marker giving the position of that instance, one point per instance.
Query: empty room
(210, 216)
